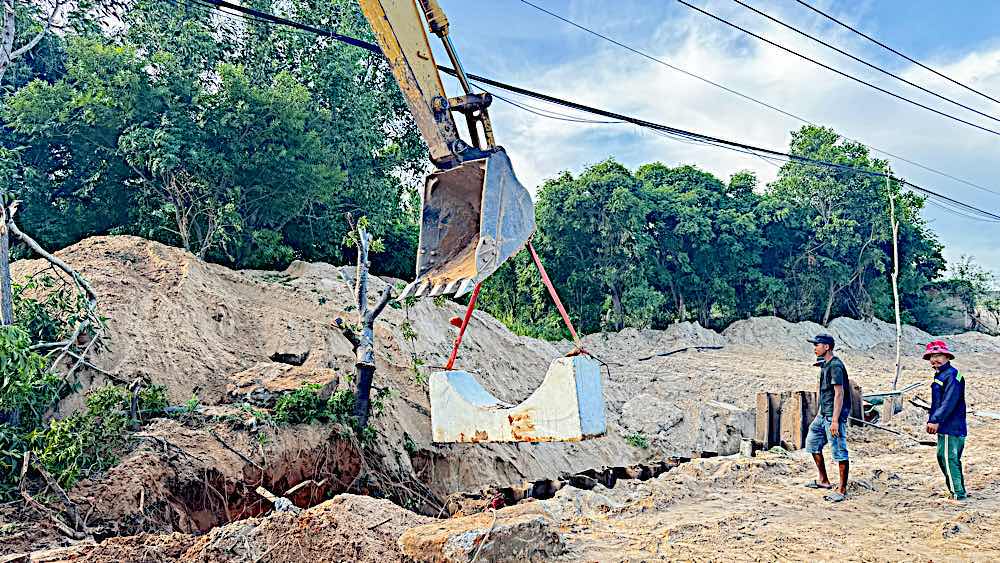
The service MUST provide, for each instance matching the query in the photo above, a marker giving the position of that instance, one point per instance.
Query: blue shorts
(819, 435)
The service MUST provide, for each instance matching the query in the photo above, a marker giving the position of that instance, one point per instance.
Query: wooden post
(767, 429)
(895, 273)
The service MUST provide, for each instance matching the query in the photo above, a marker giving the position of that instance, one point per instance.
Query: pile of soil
(346, 528)
(227, 336)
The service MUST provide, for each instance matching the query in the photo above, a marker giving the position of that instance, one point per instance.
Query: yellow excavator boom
(475, 214)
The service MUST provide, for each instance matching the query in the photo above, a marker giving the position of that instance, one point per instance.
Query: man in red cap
(947, 415)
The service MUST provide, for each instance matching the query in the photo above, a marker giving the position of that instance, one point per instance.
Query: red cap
(937, 347)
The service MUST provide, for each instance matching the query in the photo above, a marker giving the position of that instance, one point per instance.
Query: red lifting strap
(465, 324)
(552, 293)
(555, 296)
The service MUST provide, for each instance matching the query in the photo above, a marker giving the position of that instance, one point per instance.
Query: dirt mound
(191, 479)
(788, 338)
(972, 342)
(632, 343)
(203, 330)
(346, 528)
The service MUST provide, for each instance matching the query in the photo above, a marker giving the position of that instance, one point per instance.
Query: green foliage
(27, 387)
(662, 245)
(637, 440)
(88, 441)
(408, 444)
(153, 400)
(408, 332)
(192, 404)
(243, 144)
(340, 405)
(302, 405)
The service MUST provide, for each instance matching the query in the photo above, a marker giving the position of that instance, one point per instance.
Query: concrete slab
(567, 407)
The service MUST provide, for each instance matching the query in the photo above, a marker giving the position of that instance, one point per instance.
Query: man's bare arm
(838, 403)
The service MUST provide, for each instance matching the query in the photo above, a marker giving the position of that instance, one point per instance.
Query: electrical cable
(837, 71)
(890, 49)
(608, 114)
(752, 99)
(864, 62)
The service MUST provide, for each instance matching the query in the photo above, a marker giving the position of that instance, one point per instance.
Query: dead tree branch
(365, 342)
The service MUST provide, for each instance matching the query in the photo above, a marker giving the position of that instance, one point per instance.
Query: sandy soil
(197, 328)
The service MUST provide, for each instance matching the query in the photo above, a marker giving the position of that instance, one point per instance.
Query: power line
(751, 98)
(838, 71)
(770, 160)
(710, 139)
(890, 49)
(608, 114)
(864, 62)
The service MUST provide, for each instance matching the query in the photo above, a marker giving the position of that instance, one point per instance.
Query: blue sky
(512, 42)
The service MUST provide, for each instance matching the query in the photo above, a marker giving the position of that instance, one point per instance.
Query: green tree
(707, 240)
(242, 143)
(594, 237)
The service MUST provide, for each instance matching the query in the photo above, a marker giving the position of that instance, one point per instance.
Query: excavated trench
(307, 480)
(193, 481)
(496, 497)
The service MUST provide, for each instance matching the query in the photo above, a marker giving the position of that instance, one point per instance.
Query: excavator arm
(475, 214)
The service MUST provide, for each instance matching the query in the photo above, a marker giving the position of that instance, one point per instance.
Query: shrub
(301, 405)
(637, 440)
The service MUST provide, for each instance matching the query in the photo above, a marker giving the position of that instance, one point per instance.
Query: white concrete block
(568, 406)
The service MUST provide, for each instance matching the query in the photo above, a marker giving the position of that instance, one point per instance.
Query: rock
(723, 428)
(265, 382)
(650, 415)
(525, 532)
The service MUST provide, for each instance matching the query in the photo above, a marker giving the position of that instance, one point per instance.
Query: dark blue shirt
(948, 401)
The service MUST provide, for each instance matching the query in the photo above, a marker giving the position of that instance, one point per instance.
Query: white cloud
(612, 78)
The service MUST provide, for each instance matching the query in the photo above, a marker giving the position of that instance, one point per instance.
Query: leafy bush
(27, 389)
(637, 440)
(86, 442)
(301, 405)
(340, 405)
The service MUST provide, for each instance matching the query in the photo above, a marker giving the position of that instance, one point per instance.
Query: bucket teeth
(438, 290)
(465, 287)
(424, 286)
(407, 291)
(451, 286)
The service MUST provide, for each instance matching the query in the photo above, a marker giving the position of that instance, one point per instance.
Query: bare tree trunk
(895, 278)
(6, 36)
(829, 303)
(619, 311)
(365, 352)
(6, 293)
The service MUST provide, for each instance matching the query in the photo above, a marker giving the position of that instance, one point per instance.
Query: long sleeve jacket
(948, 401)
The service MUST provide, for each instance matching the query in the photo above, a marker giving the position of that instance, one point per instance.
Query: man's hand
(835, 428)
(932, 428)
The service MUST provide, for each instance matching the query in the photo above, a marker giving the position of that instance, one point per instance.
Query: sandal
(835, 497)
(814, 485)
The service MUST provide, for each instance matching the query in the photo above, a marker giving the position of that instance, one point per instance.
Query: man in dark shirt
(947, 416)
(830, 424)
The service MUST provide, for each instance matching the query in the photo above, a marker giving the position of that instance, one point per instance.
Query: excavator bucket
(475, 216)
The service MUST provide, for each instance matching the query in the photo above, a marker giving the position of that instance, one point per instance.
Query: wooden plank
(762, 425)
(792, 403)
